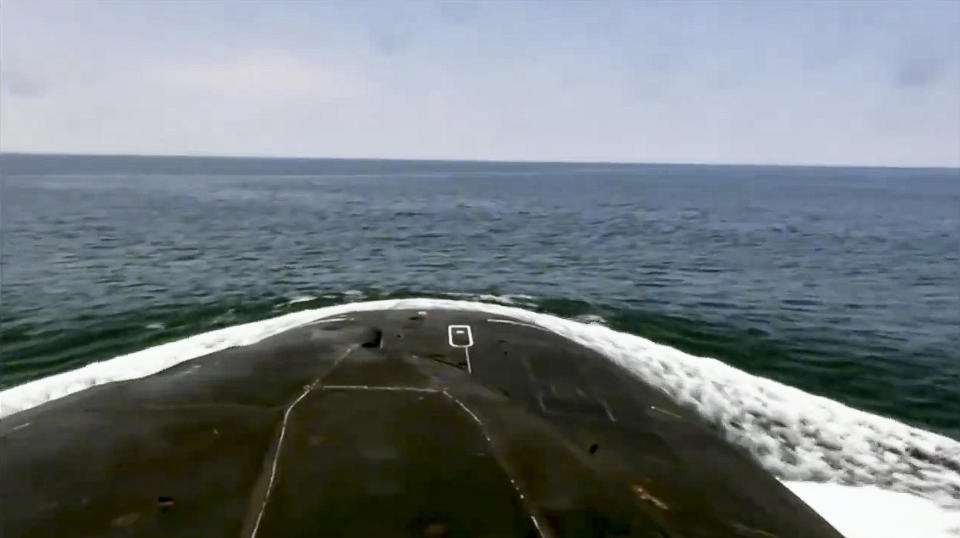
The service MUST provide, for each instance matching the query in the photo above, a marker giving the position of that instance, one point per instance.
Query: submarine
(423, 423)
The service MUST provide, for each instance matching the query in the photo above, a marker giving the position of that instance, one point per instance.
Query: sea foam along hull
(386, 423)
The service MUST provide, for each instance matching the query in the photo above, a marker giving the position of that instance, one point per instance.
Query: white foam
(871, 512)
(591, 319)
(795, 435)
(144, 363)
(301, 299)
(510, 299)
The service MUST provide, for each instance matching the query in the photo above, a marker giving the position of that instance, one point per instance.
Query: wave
(516, 299)
(797, 436)
(591, 319)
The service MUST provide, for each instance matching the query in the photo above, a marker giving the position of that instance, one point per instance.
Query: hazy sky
(751, 82)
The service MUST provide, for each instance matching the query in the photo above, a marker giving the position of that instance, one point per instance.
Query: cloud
(388, 38)
(23, 78)
(391, 29)
(258, 76)
(458, 12)
(919, 71)
(23, 84)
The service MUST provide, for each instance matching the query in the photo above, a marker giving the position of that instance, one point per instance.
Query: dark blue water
(844, 282)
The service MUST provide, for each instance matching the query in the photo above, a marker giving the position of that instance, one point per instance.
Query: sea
(841, 282)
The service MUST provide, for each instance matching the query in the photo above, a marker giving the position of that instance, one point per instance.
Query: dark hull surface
(387, 423)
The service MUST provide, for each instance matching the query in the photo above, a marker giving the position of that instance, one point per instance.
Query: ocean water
(843, 282)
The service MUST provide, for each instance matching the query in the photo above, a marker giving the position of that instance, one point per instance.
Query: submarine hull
(386, 423)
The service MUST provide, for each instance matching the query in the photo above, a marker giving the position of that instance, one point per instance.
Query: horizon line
(462, 160)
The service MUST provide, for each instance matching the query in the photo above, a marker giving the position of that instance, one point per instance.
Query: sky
(858, 83)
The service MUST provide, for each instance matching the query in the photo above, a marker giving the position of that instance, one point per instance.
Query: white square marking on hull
(460, 336)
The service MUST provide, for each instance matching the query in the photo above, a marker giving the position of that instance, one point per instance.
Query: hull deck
(386, 423)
